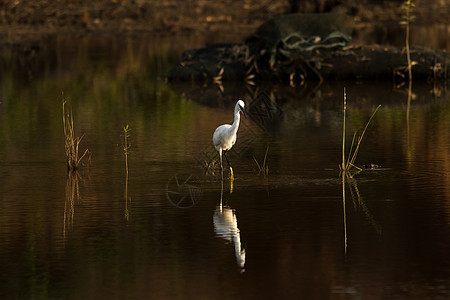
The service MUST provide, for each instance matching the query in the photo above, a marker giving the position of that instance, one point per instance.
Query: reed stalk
(126, 148)
(126, 145)
(72, 142)
(264, 167)
(355, 153)
(351, 158)
(407, 19)
(343, 131)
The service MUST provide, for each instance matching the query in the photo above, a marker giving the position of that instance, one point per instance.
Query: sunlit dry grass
(264, 167)
(211, 167)
(71, 142)
(349, 163)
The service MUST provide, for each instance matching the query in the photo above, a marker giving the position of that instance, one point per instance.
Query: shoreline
(27, 22)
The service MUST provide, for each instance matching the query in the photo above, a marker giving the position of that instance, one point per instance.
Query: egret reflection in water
(226, 227)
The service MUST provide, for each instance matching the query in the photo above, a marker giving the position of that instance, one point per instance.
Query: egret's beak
(243, 112)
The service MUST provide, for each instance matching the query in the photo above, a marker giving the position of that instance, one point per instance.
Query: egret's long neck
(237, 119)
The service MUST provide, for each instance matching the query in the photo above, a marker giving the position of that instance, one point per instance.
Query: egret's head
(241, 105)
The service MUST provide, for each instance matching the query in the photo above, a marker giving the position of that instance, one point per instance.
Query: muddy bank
(230, 62)
(27, 21)
(27, 27)
(296, 48)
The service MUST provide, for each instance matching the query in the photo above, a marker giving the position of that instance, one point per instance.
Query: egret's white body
(225, 135)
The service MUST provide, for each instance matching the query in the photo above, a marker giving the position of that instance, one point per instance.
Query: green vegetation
(407, 18)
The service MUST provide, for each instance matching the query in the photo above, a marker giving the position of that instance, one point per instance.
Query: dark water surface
(173, 230)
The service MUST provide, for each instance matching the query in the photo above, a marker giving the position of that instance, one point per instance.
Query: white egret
(225, 135)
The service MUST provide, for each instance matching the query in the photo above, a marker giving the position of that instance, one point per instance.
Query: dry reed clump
(264, 167)
(72, 142)
(211, 167)
(348, 164)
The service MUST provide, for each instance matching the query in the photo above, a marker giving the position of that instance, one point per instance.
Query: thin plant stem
(408, 56)
(343, 132)
(408, 17)
(265, 157)
(264, 168)
(351, 148)
(352, 161)
(126, 148)
(259, 167)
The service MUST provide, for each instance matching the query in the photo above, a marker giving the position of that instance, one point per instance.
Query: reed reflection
(344, 213)
(226, 227)
(358, 204)
(72, 192)
(126, 211)
(126, 148)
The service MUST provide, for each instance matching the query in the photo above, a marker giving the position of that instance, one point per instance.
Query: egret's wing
(220, 135)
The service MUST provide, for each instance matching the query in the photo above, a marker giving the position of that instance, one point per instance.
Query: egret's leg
(231, 169)
(225, 154)
(221, 165)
